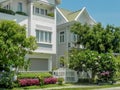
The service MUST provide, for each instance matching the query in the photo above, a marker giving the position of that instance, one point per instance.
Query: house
(66, 39)
(39, 17)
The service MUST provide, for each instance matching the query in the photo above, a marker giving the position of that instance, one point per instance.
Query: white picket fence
(71, 75)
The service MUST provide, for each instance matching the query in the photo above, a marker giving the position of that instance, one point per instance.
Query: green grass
(56, 85)
(91, 88)
(40, 87)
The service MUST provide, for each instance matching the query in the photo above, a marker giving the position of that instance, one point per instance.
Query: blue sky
(104, 11)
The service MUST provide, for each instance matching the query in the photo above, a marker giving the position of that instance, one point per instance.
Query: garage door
(38, 64)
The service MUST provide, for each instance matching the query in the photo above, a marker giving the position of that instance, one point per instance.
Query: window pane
(41, 36)
(46, 34)
(50, 37)
(37, 10)
(61, 36)
(42, 11)
(37, 35)
(20, 7)
(45, 12)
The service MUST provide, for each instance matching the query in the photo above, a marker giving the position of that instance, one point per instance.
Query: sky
(103, 11)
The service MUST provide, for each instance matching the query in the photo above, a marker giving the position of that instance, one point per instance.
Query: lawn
(66, 88)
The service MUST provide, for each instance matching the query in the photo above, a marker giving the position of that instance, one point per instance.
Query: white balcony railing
(21, 19)
(43, 18)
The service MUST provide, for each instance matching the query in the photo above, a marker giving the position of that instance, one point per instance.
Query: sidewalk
(80, 86)
(113, 88)
(72, 86)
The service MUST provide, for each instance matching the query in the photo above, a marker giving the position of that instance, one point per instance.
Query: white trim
(80, 13)
(84, 9)
(62, 14)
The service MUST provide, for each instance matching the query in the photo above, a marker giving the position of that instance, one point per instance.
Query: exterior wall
(62, 48)
(33, 22)
(60, 19)
(14, 5)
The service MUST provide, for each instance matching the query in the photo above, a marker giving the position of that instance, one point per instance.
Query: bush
(85, 81)
(41, 79)
(34, 75)
(21, 13)
(7, 11)
(50, 80)
(6, 80)
(60, 81)
(28, 82)
(51, 14)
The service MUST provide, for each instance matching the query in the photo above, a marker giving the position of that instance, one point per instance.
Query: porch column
(30, 8)
(50, 64)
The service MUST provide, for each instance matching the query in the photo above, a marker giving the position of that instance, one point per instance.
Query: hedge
(34, 75)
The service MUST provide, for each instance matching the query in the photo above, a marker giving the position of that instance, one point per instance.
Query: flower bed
(50, 80)
(28, 82)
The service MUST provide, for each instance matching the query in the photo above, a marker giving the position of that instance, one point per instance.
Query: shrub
(21, 13)
(85, 80)
(51, 14)
(41, 79)
(6, 80)
(60, 81)
(50, 80)
(28, 82)
(7, 11)
(34, 75)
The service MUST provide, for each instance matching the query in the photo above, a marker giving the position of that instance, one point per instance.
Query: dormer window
(20, 7)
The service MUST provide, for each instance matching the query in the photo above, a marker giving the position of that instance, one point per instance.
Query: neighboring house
(40, 22)
(66, 39)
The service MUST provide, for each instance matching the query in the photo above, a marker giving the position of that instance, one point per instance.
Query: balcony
(44, 18)
(10, 15)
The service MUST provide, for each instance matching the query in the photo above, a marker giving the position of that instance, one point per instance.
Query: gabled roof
(77, 15)
(69, 15)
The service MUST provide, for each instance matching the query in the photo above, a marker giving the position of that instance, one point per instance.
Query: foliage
(51, 14)
(14, 44)
(50, 80)
(85, 81)
(6, 80)
(7, 11)
(91, 60)
(21, 13)
(28, 82)
(41, 79)
(98, 38)
(60, 81)
(117, 61)
(34, 75)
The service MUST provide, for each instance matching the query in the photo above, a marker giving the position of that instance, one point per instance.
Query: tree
(98, 38)
(85, 60)
(98, 43)
(14, 45)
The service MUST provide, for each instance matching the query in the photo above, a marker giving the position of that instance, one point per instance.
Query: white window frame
(41, 11)
(44, 36)
(62, 37)
(20, 6)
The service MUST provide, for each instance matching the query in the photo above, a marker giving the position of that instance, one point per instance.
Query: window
(45, 12)
(20, 6)
(7, 7)
(61, 37)
(43, 36)
(42, 11)
(74, 37)
(37, 10)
